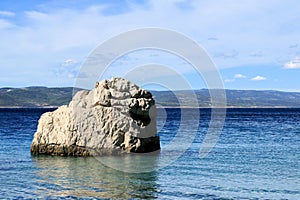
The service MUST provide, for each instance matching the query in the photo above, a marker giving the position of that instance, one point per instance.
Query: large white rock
(116, 116)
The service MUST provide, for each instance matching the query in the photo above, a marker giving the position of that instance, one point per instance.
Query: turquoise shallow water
(256, 157)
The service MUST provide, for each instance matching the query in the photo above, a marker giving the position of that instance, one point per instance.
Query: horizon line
(51, 87)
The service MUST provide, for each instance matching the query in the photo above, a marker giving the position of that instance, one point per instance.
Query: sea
(256, 156)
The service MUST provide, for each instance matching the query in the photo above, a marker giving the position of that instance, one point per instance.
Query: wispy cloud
(293, 64)
(213, 39)
(4, 24)
(229, 80)
(258, 78)
(43, 36)
(7, 13)
(239, 76)
(294, 45)
(228, 54)
(69, 68)
(256, 54)
(69, 62)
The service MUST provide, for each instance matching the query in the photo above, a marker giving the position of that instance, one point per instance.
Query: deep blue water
(257, 157)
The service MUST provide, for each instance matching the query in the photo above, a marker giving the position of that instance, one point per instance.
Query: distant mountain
(35, 97)
(235, 98)
(53, 97)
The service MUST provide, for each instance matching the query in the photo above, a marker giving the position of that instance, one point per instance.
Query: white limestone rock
(116, 116)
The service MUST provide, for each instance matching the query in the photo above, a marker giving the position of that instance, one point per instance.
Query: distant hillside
(53, 97)
(35, 96)
(235, 98)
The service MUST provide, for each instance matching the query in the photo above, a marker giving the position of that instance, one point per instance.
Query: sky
(253, 44)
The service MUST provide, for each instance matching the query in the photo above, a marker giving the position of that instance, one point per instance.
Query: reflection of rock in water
(132, 163)
(87, 177)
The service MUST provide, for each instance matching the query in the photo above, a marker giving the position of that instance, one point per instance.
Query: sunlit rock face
(115, 117)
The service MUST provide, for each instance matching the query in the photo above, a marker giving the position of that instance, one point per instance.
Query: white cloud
(4, 24)
(293, 64)
(236, 76)
(259, 78)
(7, 13)
(229, 80)
(44, 37)
(70, 62)
(239, 76)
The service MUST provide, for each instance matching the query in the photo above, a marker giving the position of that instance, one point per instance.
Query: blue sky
(254, 44)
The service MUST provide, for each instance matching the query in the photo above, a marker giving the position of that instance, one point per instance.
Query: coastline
(189, 107)
(161, 107)
(22, 107)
